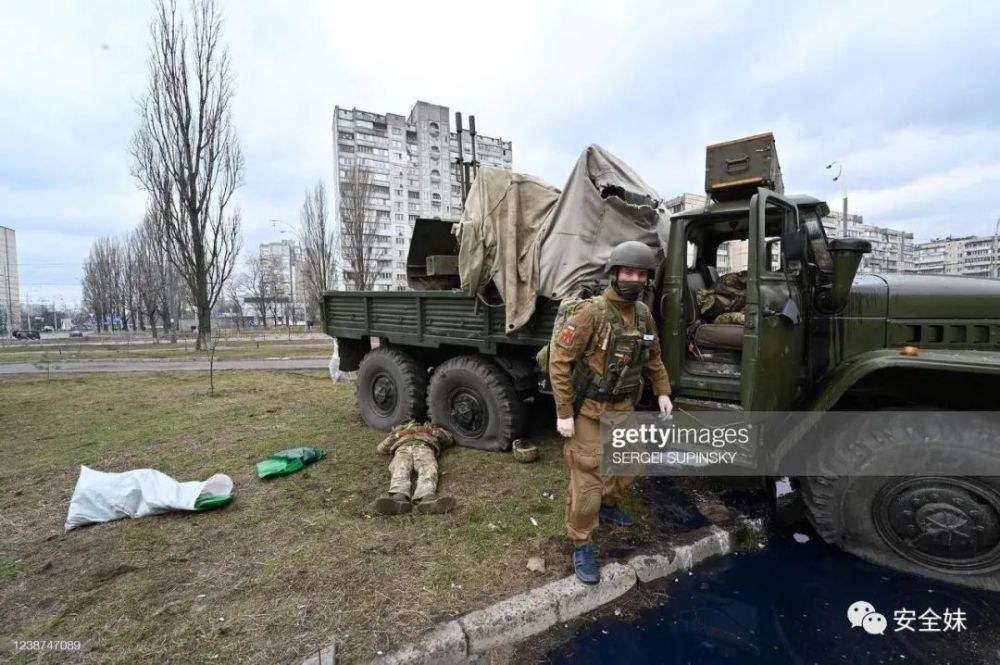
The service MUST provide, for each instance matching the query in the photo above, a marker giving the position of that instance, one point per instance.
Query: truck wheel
(391, 388)
(475, 400)
(943, 527)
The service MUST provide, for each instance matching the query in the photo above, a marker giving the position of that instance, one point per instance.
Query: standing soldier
(597, 362)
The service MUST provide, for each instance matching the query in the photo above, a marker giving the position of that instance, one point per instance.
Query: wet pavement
(787, 603)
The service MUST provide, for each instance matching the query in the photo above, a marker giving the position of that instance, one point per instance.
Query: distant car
(47, 329)
(26, 334)
(76, 331)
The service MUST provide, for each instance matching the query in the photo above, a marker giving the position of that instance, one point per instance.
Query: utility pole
(291, 280)
(845, 214)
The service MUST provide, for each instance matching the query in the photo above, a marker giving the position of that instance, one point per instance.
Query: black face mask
(630, 291)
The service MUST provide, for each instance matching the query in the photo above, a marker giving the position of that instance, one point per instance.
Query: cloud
(898, 93)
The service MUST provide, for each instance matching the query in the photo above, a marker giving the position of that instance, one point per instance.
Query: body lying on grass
(414, 449)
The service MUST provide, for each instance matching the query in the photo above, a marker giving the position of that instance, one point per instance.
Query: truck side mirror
(846, 253)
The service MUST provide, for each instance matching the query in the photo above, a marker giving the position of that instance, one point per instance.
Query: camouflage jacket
(413, 432)
(580, 341)
(726, 300)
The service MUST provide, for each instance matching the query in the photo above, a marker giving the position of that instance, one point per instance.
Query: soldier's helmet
(632, 254)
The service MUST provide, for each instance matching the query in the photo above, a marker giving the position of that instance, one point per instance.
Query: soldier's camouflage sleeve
(654, 370)
(570, 342)
(385, 445)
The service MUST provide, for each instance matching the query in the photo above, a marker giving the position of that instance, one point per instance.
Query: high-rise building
(892, 249)
(10, 307)
(284, 261)
(968, 255)
(412, 161)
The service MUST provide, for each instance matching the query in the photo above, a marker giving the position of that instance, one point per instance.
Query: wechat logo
(862, 614)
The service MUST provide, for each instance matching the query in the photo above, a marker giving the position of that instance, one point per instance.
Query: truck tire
(391, 388)
(943, 527)
(475, 400)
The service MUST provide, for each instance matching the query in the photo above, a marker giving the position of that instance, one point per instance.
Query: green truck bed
(432, 319)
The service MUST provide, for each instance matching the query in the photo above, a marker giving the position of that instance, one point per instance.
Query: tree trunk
(204, 328)
(165, 314)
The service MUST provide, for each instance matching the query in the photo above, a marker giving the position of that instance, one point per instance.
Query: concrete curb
(518, 618)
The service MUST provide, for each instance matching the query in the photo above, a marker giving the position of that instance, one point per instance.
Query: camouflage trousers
(409, 458)
(588, 489)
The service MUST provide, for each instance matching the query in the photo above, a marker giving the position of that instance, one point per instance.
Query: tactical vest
(626, 353)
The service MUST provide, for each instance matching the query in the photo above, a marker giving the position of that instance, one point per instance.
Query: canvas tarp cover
(530, 239)
(497, 238)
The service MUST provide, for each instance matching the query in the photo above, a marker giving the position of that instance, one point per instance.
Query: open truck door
(774, 344)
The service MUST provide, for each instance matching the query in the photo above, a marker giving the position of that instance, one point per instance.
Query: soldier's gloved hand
(666, 406)
(565, 426)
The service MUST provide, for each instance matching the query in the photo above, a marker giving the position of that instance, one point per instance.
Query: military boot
(585, 564)
(435, 504)
(393, 504)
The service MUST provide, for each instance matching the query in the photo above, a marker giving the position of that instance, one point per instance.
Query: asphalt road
(91, 366)
(787, 604)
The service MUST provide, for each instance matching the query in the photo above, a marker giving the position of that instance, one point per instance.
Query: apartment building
(10, 307)
(413, 164)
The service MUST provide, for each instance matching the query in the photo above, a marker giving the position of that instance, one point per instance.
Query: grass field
(55, 352)
(290, 565)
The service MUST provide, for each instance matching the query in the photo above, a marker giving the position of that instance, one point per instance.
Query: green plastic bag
(307, 455)
(288, 461)
(212, 501)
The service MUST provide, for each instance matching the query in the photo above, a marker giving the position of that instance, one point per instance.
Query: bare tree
(99, 281)
(236, 290)
(146, 248)
(318, 244)
(186, 154)
(358, 229)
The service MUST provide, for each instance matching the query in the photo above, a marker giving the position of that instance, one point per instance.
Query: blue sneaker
(616, 515)
(585, 565)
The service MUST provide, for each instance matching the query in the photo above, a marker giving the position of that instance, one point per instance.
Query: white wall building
(892, 249)
(968, 255)
(285, 260)
(10, 306)
(412, 160)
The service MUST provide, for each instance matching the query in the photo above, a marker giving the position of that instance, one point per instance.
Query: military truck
(817, 337)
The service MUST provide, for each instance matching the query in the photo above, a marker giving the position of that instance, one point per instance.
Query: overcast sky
(905, 95)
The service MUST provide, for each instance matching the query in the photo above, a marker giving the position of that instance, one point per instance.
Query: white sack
(104, 497)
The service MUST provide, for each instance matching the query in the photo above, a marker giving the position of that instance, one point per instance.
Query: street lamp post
(843, 189)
